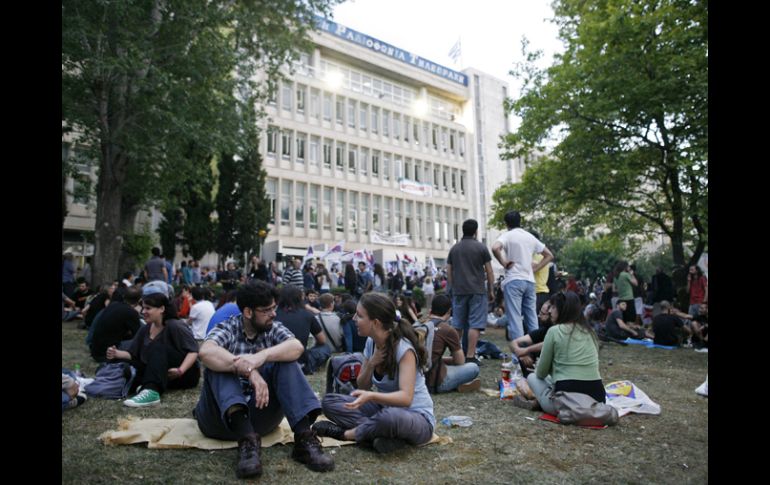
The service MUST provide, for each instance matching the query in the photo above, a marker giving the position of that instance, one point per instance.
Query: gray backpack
(343, 371)
(112, 381)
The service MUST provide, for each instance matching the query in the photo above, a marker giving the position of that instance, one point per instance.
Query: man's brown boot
(307, 450)
(249, 456)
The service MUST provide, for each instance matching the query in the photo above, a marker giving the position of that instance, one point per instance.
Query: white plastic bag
(627, 398)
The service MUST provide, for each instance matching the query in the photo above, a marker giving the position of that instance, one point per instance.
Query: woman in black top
(163, 352)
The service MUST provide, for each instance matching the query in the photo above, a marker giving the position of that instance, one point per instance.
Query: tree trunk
(109, 197)
(128, 262)
(108, 236)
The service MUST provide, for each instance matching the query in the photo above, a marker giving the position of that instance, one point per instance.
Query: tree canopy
(141, 80)
(626, 106)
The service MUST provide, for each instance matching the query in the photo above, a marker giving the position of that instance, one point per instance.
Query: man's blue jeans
(519, 308)
(458, 374)
(290, 395)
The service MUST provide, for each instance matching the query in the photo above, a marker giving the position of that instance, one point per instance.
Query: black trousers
(154, 374)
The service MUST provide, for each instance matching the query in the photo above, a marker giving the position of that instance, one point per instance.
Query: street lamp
(262, 233)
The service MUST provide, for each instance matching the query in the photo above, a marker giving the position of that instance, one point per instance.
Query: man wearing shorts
(467, 263)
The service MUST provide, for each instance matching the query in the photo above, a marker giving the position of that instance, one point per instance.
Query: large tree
(140, 79)
(626, 106)
(253, 210)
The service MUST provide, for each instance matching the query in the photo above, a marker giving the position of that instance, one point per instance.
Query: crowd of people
(257, 341)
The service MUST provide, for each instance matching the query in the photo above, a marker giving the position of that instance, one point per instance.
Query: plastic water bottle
(505, 367)
(454, 421)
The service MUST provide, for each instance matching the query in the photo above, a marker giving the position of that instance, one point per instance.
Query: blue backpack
(342, 372)
(112, 381)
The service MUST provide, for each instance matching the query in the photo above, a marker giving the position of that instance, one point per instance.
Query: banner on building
(415, 188)
(394, 240)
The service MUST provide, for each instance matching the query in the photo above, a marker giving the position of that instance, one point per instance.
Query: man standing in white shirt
(200, 313)
(519, 282)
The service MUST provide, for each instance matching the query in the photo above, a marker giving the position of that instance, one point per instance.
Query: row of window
(315, 206)
(369, 118)
(376, 87)
(357, 159)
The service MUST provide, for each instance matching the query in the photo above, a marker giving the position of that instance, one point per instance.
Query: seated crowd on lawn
(262, 332)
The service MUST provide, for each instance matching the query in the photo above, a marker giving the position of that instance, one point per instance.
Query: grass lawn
(504, 445)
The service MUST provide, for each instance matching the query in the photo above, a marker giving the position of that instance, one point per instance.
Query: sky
(490, 31)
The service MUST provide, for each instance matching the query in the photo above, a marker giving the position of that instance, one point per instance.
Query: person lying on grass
(400, 411)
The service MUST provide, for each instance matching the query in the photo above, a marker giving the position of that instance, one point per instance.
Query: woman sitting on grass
(401, 410)
(163, 352)
(569, 360)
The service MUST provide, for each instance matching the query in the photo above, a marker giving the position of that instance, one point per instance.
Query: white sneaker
(704, 350)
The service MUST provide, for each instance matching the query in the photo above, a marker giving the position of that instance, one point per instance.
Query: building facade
(371, 144)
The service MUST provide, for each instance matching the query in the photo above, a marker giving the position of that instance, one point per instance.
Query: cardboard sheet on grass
(184, 433)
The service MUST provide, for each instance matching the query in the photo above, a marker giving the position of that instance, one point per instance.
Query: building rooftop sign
(388, 50)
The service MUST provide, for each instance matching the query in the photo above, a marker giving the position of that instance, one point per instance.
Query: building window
(272, 97)
(352, 159)
(375, 212)
(444, 184)
(416, 171)
(353, 212)
(386, 215)
(385, 167)
(434, 137)
(462, 183)
(351, 113)
(435, 177)
(375, 119)
(452, 142)
(286, 97)
(270, 189)
(363, 116)
(286, 145)
(313, 154)
(315, 104)
(301, 148)
(363, 161)
(339, 211)
(285, 202)
(327, 209)
(300, 98)
(339, 110)
(397, 218)
(365, 214)
(313, 206)
(386, 123)
(340, 156)
(299, 206)
(272, 140)
(396, 126)
(327, 154)
(399, 166)
(327, 106)
(454, 182)
(462, 145)
(375, 164)
(416, 132)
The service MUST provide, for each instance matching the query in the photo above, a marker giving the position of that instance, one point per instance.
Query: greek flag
(455, 52)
